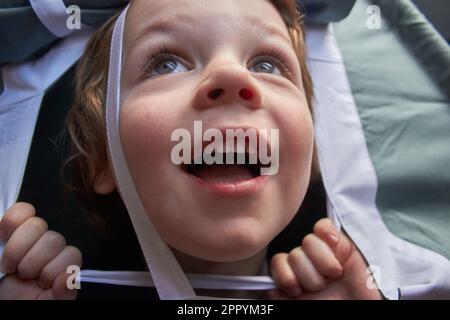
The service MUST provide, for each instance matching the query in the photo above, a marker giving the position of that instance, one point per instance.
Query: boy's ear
(105, 184)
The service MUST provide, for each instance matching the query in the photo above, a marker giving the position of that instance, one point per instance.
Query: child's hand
(34, 258)
(326, 266)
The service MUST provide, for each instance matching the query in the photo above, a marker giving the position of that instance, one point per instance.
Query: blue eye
(265, 66)
(274, 62)
(163, 62)
(166, 66)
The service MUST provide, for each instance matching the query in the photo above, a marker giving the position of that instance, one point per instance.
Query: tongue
(223, 173)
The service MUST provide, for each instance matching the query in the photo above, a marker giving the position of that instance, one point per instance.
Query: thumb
(344, 248)
(60, 290)
(338, 241)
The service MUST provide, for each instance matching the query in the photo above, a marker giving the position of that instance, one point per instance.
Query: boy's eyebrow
(169, 25)
(262, 29)
(166, 25)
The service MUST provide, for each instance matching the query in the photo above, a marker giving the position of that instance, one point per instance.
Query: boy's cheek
(296, 141)
(296, 151)
(146, 127)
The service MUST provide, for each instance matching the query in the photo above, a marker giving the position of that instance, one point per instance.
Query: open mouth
(241, 167)
(236, 164)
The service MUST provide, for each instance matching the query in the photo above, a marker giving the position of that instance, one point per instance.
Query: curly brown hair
(85, 121)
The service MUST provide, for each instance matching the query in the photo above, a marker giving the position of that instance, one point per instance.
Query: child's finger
(12, 288)
(69, 256)
(322, 256)
(46, 295)
(276, 294)
(20, 242)
(308, 276)
(338, 241)
(283, 275)
(42, 252)
(14, 217)
(60, 290)
(326, 231)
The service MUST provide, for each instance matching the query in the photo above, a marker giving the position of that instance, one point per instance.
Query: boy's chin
(232, 250)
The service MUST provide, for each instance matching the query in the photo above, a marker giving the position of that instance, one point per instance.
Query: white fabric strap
(198, 281)
(53, 15)
(168, 277)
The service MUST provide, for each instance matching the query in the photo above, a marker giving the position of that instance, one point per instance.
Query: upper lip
(254, 167)
(259, 138)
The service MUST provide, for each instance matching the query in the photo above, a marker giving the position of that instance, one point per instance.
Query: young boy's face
(216, 49)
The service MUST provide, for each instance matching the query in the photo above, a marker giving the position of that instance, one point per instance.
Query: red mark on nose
(246, 94)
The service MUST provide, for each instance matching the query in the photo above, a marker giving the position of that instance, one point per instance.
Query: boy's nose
(228, 85)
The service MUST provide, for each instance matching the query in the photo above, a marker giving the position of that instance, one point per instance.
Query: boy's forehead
(198, 13)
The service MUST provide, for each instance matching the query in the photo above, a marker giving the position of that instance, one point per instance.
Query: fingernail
(333, 239)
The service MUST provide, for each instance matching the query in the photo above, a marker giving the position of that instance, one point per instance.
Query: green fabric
(400, 81)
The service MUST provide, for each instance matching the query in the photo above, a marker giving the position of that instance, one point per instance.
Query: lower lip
(239, 188)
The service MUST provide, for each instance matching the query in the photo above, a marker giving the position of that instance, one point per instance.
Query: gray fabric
(400, 78)
(325, 11)
(23, 36)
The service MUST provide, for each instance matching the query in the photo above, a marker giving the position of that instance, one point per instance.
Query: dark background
(438, 12)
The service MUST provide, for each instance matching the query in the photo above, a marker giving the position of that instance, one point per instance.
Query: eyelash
(279, 57)
(273, 54)
(162, 52)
